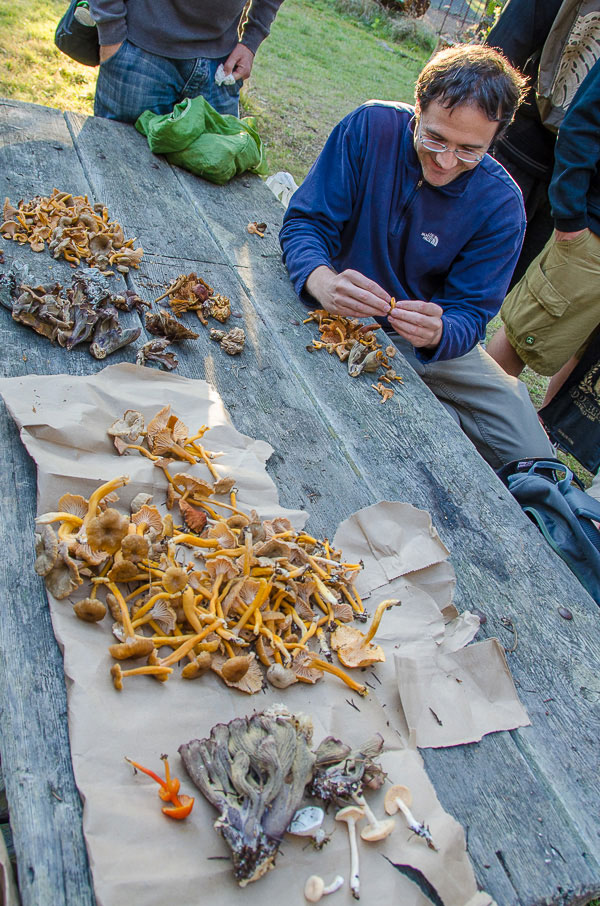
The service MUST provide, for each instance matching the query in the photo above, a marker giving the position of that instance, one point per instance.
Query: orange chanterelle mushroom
(210, 586)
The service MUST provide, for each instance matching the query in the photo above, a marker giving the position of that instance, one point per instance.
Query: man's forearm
(319, 283)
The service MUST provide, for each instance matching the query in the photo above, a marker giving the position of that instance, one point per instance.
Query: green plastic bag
(194, 136)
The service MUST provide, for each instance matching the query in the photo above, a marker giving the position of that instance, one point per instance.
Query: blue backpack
(555, 500)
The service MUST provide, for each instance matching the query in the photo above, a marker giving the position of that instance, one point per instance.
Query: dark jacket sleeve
(258, 23)
(522, 28)
(577, 156)
(314, 221)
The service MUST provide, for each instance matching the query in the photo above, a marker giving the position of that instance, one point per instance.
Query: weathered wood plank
(502, 563)
(325, 428)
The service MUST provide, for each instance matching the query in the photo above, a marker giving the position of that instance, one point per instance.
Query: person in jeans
(155, 53)
(406, 203)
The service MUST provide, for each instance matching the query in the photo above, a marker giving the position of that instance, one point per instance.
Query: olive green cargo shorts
(551, 312)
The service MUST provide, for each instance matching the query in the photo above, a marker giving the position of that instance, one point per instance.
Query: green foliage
(390, 23)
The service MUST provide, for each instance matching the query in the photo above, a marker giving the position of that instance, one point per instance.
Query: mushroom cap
(175, 578)
(194, 518)
(222, 566)
(306, 821)
(281, 677)
(397, 792)
(373, 832)
(117, 676)
(198, 666)
(352, 648)
(91, 610)
(46, 548)
(123, 571)
(134, 646)
(135, 547)
(313, 889)
(350, 813)
(106, 532)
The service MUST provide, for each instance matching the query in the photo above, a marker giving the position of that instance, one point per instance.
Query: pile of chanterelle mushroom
(217, 588)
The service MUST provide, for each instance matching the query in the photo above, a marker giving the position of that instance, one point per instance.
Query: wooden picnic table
(529, 800)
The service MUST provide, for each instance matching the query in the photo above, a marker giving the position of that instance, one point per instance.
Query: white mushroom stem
(335, 885)
(354, 878)
(416, 826)
(360, 800)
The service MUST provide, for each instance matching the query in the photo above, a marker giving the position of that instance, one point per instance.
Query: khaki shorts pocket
(536, 313)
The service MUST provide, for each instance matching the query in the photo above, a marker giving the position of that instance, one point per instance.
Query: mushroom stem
(416, 826)
(360, 800)
(331, 668)
(335, 885)
(381, 608)
(99, 494)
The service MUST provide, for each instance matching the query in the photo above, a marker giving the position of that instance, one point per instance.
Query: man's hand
(239, 62)
(567, 237)
(350, 293)
(108, 50)
(418, 322)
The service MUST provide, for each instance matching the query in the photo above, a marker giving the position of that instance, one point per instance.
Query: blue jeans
(133, 80)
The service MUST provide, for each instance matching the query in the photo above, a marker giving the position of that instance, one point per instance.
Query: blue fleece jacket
(364, 205)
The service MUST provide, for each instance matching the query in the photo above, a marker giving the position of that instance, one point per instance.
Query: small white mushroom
(376, 829)
(398, 798)
(307, 823)
(315, 888)
(350, 815)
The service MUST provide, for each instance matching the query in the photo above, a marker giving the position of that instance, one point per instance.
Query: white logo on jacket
(431, 238)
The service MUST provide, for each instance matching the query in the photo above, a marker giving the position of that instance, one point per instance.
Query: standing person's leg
(201, 81)
(493, 409)
(553, 310)
(133, 80)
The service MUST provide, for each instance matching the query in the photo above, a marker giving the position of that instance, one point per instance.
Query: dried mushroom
(72, 229)
(253, 771)
(341, 771)
(356, 344)
(188, 292)
(84, 313)
(155, 351)
(232, 342)
(162, 324)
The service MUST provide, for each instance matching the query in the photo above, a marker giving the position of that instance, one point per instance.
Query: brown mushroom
(46, 548)
(91, 610)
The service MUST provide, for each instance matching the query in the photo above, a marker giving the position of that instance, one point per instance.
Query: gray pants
(492, 408)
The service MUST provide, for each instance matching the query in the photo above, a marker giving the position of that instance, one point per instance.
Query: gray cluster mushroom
(253, 770)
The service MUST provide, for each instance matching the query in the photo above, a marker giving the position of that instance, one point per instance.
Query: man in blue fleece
(405, 203)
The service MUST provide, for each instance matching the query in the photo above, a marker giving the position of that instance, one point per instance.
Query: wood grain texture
(336, 449)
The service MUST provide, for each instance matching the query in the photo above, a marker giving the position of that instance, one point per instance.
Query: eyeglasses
(467, 157)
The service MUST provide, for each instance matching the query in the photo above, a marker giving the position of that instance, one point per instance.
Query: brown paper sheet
(136, 854)
(457, 696)
(425, 638)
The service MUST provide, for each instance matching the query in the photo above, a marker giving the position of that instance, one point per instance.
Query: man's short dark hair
(473, 74)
